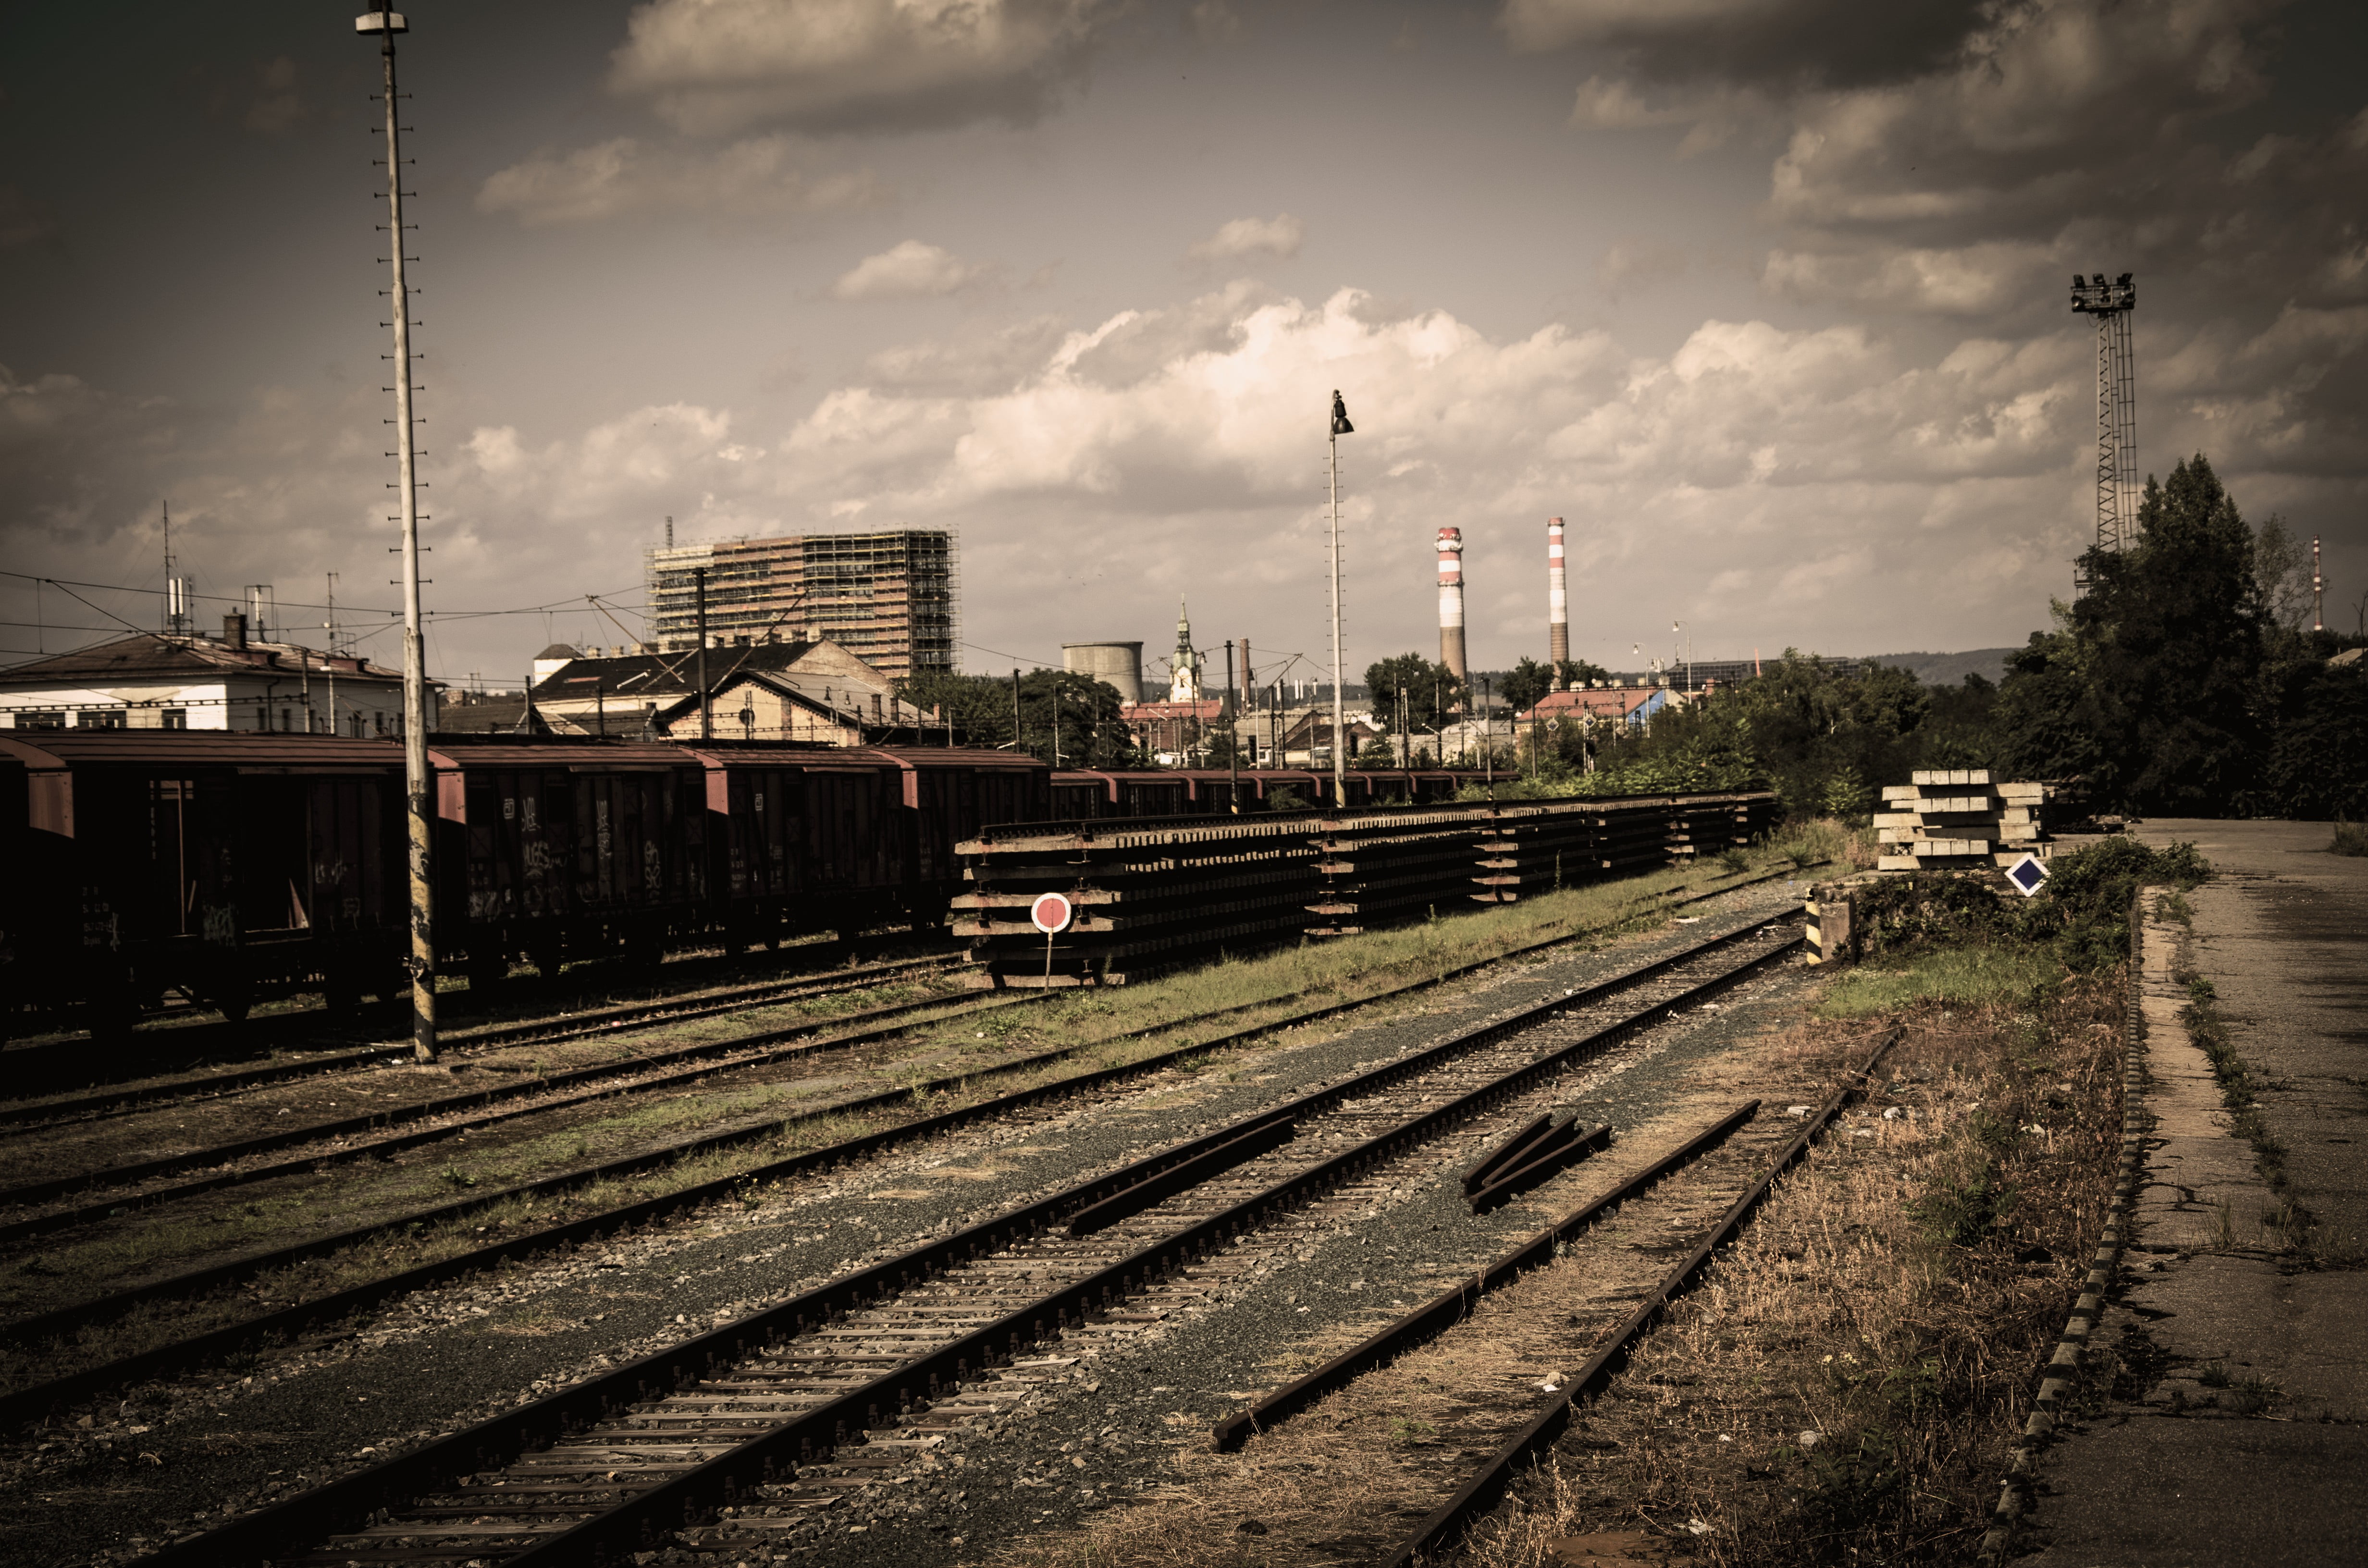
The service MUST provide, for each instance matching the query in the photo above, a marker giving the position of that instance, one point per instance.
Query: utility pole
(386, 23)
(2317, 590)
(1017, 744)
(699, 672)
(1340, 426)
(1233, 740)
(330, 626)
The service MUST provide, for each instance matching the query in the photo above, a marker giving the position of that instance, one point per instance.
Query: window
(284, 715)
(41, 720)
(99, 718)
(174, 719)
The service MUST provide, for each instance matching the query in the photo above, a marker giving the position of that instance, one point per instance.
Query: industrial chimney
(1557, 601)
(1451, 600)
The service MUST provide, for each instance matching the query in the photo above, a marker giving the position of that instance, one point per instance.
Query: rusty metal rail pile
(1152, 891)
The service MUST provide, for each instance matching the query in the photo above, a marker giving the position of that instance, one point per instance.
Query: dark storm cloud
(1772, 43)
(718, 66)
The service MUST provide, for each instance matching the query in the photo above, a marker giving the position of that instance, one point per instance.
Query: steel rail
(35, 1401)
(126, 1101)
(1476, 1174)
(1449, 1308)
(920, 1381)
(1447, 1522)
(1545, 1158)
(764, 1047)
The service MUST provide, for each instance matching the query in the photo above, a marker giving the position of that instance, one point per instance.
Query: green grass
(1965, 976)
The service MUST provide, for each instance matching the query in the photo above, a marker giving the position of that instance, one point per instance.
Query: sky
(1768, 299)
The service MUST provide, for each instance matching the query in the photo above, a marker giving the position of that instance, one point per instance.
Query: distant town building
(1606, 705)
(180, 681)
(816, 692)
(889, 598)
(1184, 677)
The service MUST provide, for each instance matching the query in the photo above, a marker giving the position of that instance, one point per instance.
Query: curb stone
(2061, 1376)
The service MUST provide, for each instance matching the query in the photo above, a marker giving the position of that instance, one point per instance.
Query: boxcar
(550, 848)
(228, 866)
(805, 838)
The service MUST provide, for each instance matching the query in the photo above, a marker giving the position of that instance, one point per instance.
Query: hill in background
(1949, 669)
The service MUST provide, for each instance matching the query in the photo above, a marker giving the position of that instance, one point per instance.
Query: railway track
(365, 1138)
(291, 1321)
(1508, 1455)
(755, 1429)
(573, 1025)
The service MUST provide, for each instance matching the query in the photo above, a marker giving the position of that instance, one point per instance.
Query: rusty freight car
(230, 867)
(549, 849)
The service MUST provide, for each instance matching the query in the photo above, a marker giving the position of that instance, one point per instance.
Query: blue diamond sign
(2028, 875)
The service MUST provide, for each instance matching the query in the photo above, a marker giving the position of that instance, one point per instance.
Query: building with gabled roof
(815, 692)
(154, 680)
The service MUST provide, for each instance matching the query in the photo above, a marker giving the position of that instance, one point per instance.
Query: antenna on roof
(177, 620)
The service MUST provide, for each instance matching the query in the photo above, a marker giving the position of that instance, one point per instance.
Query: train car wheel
(236, 1002)
(546, 961)
(342, 990)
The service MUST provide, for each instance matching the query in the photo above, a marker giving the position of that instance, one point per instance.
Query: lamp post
(1340, 426)
(386, 22)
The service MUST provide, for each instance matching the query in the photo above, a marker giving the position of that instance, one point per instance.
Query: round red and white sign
(1050, 913)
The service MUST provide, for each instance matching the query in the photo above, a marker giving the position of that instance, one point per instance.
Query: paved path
(2236, 1429)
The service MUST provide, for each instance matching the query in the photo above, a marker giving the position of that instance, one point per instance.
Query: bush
(2350, 838)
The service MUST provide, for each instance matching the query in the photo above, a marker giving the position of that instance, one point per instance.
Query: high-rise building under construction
(888, 598)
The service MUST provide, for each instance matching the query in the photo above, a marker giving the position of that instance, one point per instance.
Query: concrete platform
(2236, 1427)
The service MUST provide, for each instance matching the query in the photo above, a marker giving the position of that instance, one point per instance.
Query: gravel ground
(168, 1459)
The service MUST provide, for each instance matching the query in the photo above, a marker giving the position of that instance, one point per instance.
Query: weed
(2214, 1375)
(2350, 838)
(1407, 1432)
(454, 1176)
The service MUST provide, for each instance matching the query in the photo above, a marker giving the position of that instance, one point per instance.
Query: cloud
(1768, 43)
(1830, 472)
(713, 67)
(1242, 238)
(910, 270)
(764, 176)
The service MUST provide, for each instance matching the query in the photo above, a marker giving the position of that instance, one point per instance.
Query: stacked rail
(1150, 893)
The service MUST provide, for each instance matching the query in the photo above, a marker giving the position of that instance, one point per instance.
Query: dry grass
(1845, 1384)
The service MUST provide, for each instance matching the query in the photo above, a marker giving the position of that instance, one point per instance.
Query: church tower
(1184, 683)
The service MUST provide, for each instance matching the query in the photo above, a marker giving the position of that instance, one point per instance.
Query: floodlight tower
(385, 24)
(2117, 408)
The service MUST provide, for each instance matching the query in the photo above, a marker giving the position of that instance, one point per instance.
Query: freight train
(235, 868)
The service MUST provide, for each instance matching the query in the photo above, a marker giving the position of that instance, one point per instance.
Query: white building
(152, 681)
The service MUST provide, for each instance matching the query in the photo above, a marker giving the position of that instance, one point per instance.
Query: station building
(154, 680)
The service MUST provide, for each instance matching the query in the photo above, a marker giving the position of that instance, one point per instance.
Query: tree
(1092, 734)
(1577, 672)
(1432, 692)
(1524, 684)
(2150, 684)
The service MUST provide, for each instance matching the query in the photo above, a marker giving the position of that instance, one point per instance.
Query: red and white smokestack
(1451, 600)
(1557, 600)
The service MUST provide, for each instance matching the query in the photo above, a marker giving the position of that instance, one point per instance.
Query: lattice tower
(2117, 410)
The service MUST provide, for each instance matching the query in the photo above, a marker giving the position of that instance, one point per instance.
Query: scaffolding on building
(891, 597)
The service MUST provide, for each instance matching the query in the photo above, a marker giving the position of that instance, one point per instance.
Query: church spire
(1184, 683)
